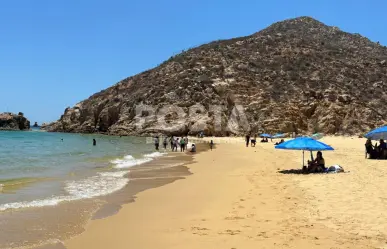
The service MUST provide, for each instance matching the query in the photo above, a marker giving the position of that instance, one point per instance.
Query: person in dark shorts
(157, 143)
(182, 145)
(94, 142)
(247, 140)
(172, 142)
(211, 144)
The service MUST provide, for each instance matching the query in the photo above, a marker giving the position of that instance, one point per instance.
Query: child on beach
(193, 148)
(254, 141)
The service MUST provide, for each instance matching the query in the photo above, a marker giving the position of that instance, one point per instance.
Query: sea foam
(103, 183)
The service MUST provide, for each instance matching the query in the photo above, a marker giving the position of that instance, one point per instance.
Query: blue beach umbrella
(279, 135)
(379, 133)
(304, 143)
(317, 136)
(265, 135)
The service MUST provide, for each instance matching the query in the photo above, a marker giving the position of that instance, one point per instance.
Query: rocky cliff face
(10, 121)
(296, 75)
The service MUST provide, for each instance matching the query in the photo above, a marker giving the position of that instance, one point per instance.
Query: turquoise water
(39, 168)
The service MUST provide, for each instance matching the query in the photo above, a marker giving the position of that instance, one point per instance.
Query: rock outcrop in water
(10, 121)
(296, 75)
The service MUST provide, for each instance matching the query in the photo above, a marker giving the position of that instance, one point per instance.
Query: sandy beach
(237, 198)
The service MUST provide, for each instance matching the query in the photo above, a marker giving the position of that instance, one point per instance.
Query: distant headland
(14, 122)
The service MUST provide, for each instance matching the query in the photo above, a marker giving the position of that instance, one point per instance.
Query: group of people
(253, 140)
(376, 151)
(175, 143)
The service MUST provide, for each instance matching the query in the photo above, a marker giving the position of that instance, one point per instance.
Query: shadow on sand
(301, 172)
(293, 171)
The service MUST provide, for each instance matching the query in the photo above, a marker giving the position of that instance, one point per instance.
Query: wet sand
(237, 197)
(47, 227)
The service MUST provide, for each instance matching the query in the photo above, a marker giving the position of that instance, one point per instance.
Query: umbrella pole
(303, 159)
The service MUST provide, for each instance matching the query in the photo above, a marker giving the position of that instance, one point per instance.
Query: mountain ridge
(297, 75)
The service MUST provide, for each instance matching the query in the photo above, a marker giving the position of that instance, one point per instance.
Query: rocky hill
(10, 121)
(296, 75)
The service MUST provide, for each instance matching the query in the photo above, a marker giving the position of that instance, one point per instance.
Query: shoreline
(237, 198)
(74, 215)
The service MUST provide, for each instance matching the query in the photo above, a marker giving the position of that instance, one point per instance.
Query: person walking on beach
(165, 143)
(211, 144)
(247, 140)
(157, 143)
(94, 142)
(182, 145)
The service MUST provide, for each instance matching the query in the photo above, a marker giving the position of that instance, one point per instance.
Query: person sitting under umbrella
(382, 149)
(370, 149)
(317, 165)
(280, 142)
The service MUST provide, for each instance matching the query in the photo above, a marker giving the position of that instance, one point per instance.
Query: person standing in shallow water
(94, 142)
(185, 142)
(165, 142)
(171, 139)
(175, 143)
(182, 145)
(157, 143)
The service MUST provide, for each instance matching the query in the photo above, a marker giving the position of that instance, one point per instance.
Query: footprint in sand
(234, 218)
(199, 228)
(262, 234)
(230, 232)
(199, 231)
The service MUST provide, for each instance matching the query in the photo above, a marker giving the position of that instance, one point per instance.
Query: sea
(39, 169)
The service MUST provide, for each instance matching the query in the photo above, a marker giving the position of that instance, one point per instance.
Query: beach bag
(335, 169)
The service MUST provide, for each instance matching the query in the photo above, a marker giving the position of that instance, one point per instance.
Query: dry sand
(236, 198)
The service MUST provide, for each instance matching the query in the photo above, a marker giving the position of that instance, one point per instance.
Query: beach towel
(335, 169)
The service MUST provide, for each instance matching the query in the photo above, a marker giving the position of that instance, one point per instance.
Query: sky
(55, 53)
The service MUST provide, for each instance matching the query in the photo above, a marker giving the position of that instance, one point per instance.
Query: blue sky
(55, 53)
